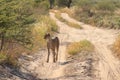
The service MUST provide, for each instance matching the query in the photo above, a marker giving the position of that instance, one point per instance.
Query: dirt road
(109, 66)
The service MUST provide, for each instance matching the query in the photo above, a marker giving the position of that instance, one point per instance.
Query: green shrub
(61, 3)
(2, 57)
(16, 23)
(98, 13)
(38, 1)
(40, 8)
(106, 5)
(85, 4)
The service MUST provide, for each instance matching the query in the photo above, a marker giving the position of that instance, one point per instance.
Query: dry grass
(104, 13)
(68, 11)
(71, 24)
(45, 25)
(116, 47)
(9, 56)
(58, 16)
(80, 46)
(2, 57)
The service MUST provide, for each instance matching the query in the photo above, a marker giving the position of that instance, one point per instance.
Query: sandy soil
(109, 66)
(64, 69)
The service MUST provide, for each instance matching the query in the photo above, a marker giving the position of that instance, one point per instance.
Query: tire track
(109, 66)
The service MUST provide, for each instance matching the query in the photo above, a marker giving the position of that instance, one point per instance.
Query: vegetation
(71, 24)
(68, 11)
(16, 25)
(58, 16)
(98, 13)
(116, 47)
(40, 29)
(77, 47)
(51, 2)
(74, 25)
(20, 18)
(15, 19)
(63, 3)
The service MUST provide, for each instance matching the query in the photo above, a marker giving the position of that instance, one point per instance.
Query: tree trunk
(2, 41)
(51, 3)
(69, 3)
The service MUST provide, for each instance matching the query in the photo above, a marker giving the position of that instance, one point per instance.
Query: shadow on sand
(10, 72)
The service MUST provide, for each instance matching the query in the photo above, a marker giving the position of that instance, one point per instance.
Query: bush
(41, 7)
(80, 46)
(11, 60)
(10, 56)
(98, 13)
(3, 57)
(16, 19)
(85, 4)
(61, 3)
(106, 5)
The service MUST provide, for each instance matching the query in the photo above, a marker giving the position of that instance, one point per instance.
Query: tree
(63, 3)
(69, 3)
(51, 3)
(15, 17)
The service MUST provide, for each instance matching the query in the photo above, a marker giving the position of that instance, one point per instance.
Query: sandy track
(109, 66)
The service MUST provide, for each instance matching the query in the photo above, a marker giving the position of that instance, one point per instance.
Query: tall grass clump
(74, 25)
(9, 56)
(58, 16)
(45, 25)
(77, 47)
(71, 24)
(116, 47)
